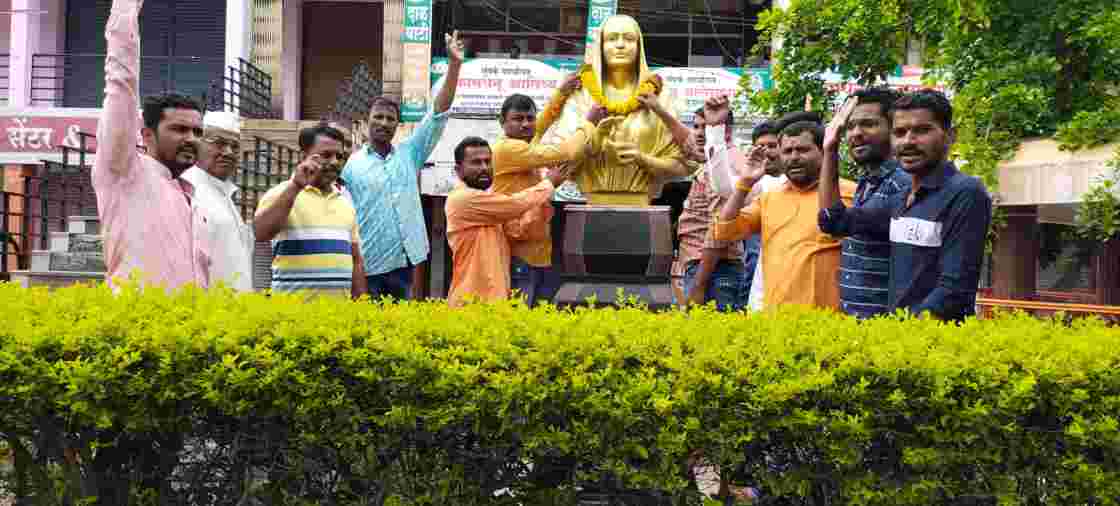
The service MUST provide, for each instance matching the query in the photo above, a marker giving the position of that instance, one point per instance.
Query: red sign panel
(44, 134)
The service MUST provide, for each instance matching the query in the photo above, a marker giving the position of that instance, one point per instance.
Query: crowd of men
(772, 227)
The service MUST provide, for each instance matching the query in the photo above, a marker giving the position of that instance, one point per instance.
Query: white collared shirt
(755, 300)
(231, 239)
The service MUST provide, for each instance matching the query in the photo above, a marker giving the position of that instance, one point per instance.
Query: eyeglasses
(222, 143)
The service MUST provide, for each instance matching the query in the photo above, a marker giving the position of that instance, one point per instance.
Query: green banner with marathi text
(597, 12)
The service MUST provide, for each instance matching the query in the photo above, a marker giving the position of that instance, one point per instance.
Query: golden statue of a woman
(633, 150)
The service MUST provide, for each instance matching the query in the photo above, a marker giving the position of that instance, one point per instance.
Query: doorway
(337, 36)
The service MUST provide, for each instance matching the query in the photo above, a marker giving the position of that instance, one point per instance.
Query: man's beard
(174, 165)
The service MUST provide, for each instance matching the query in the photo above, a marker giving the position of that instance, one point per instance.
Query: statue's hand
(649, 101)
(597, 114)
(625, 152)
(602, 134)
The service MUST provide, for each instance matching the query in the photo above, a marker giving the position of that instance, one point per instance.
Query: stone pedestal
(75, 256)
(610, 252)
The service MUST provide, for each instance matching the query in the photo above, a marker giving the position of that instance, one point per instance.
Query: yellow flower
(651, 85)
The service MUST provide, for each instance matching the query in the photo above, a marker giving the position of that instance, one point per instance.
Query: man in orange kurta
(801, 262)
(481, 223)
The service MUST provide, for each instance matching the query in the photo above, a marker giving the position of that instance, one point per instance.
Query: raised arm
(746, 188)
(555, 106)
(828, 191)
(512, 155)
(682, 135)
(741, 224)
(494, 208)
(276, 205)
(451, 81)
(120, 121)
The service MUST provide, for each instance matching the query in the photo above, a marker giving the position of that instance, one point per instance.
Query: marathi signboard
(690, 87)
(485, 83)
(29, 135)
(414, 81)
(906, 78)
(417, 21)
(43, 134)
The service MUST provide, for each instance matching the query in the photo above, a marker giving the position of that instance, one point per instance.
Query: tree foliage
(1017, 68)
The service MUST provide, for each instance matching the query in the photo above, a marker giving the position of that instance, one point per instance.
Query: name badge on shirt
(916, 232)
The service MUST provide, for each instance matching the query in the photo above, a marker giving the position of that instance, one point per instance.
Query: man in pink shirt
(150, 223)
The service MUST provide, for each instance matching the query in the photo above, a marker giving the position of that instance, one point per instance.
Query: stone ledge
(29, 279)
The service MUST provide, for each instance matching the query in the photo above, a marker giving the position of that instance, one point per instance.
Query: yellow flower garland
(651, 85)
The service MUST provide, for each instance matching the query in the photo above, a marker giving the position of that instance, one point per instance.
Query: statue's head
(621, 43)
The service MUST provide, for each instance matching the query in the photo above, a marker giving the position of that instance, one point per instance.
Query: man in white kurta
(231, 239)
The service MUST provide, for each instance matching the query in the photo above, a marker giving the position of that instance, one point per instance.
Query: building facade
(52, 73)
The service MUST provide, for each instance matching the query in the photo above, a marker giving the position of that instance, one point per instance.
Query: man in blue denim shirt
(863, 121)
(938, 234)
(383, 182)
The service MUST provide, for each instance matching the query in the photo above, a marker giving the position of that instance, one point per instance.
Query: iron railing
(57, 191)
(75, 80)
(5, 81)
(355, 94)
(245, 89)
(264, 166)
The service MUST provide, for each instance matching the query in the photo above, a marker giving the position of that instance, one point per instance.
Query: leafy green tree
(1017, 68)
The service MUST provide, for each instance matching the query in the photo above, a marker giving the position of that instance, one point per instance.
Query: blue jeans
(537, 284)
(394, 284)
(752, 249)
(727, 286)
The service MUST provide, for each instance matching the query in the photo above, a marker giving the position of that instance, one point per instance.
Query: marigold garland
(650, 85)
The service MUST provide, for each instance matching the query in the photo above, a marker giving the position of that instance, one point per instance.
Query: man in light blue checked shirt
(382, 180)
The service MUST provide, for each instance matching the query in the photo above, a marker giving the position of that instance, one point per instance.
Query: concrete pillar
(37, 26)
(22, 46)
(1015, 256)
(291, 58)
(239, 33)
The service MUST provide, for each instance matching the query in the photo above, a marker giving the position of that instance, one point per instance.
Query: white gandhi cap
(224, 120)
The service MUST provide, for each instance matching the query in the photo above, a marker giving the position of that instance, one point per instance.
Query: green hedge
(214, 398)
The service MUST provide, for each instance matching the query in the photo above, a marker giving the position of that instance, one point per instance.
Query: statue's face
(620, 42)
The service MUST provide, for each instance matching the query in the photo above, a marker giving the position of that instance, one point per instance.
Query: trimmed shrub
(215, 398)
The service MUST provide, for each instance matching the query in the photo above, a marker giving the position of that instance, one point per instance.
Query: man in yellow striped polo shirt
(312, 226)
